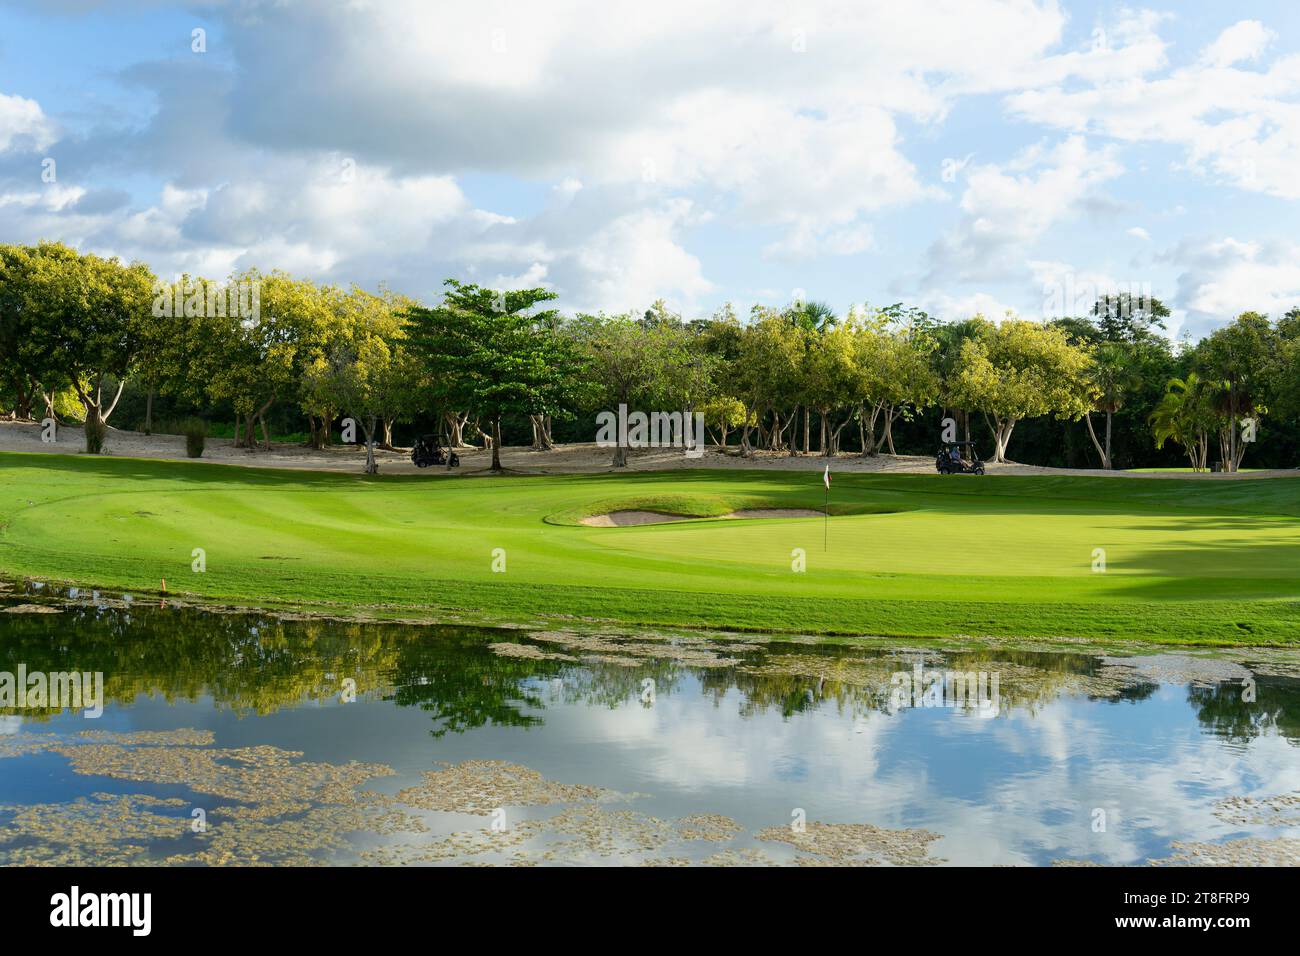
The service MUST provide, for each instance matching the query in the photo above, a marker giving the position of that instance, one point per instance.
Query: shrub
(96, 432)
(195, 431)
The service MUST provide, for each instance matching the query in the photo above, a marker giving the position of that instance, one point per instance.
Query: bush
(96, 432)
(195, 431)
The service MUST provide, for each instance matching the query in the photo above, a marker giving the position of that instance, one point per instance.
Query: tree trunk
(319, 431)
(372, 467)
(459, 421)
(746, 450)
(93, 400)
(1230, 462)
(888, 437)
(1092, 433)
(148, 412)
(386, 434)
(24, 396)
(1110, 417)
(496, 443)
(261, 419)
(1002, 437)
(541, 436)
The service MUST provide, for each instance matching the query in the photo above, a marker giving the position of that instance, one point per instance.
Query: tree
(1185, 415)
(83, 317)
(1113, 374)
(831, 381)
(1238, 358)
(255, 361)
(725, 413)
(651, 361)
(1022, 370)
(368, 373)
(899, 377)
(1124, 317)
(503, 356)
(766, 373)
(17, 369)
(946, 359)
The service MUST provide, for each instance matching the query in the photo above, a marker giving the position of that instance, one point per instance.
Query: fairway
(1192, 561)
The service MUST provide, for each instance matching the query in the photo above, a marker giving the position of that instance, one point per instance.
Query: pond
(235, 738)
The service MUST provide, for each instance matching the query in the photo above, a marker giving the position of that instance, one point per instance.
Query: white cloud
(1245, 40)
(955, 308)
(1222, 278)
(787, 116)
(1240, 125)
(23, 125)
(793, 126)
(1007, 208)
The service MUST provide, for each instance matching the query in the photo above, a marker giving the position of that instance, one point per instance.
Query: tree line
(77, 331)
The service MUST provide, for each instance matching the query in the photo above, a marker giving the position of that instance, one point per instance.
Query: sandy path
(582, 458)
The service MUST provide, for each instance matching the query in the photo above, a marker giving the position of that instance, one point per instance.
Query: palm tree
(812, 317)
(1184, 416)
(1114, 375)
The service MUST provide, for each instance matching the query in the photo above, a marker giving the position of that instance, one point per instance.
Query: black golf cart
(428, 451)
(950, 461)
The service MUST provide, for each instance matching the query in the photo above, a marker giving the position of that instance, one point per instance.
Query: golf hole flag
(826, 509)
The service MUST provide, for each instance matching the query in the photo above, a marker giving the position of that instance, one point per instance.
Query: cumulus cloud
(792, 126)
(1236, 123)
(1006, 208)
(23, 125)
(1222, 278)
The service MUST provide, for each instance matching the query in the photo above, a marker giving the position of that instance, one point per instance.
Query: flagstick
(826, 516)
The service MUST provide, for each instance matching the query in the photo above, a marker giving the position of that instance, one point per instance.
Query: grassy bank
(1185, 561)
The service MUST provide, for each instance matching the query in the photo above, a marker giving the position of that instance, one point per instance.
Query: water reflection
(686, 734)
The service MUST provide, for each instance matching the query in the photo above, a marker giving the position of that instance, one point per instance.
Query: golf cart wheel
(979, 468)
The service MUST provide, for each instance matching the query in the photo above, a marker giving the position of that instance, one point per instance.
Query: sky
(963, 156)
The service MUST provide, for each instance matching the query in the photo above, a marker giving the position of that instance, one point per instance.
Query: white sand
(583, 458)
(627, 519)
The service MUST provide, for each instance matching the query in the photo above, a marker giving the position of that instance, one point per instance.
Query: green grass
(922, 555)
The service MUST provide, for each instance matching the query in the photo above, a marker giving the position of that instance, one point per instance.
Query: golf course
(1105, 558)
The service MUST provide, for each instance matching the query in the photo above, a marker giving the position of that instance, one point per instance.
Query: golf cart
(949, 461)
(428, 451)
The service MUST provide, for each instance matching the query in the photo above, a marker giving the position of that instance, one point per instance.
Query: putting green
(926, 555)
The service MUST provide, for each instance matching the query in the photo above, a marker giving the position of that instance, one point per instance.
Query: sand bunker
(627, 519)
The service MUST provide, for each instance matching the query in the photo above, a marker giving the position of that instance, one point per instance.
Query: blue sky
(983, 155)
